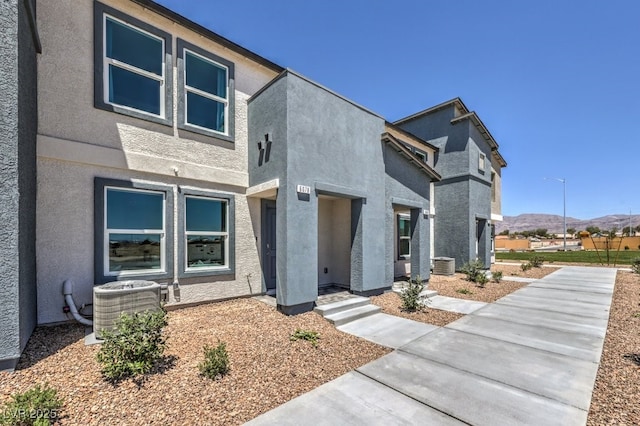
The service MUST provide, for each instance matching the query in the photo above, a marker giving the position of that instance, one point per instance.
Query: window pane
(131, 252)
(205, 76)
(128, 45)
(134, 90)
(404, 226)
(206, 215)
(205, 112)
(134, 210)
(404, 248)
(205, 251)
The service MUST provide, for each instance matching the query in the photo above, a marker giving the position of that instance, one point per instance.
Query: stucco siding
(65, 231)
(67, 92)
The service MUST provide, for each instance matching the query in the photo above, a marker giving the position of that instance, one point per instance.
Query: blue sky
(556, 82)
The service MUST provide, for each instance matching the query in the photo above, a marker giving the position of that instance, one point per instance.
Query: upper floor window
(205, 92)
(481, 163)
(422, 156)
(133, 66)
(493, 186)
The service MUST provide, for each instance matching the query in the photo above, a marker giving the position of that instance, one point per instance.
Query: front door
(269, 245)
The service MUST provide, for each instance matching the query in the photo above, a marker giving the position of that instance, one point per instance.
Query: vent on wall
(444, 266)
(112, 299)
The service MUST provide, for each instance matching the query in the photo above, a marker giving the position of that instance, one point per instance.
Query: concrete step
(343, 317)
(343, 305)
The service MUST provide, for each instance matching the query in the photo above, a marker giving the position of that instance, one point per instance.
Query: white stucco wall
(77, 142)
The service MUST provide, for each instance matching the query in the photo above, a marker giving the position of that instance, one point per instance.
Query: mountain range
(553, 223)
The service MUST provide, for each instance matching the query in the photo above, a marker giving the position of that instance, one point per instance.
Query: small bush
(464, 291)
(38, 406)
(525, 266)
(309, 336)
(472, 269)
(626, 248)
(410, 295)
(134, 346)
(497, 276)
(481, 279)
(536, 261)
(635, 265)
(216, 361)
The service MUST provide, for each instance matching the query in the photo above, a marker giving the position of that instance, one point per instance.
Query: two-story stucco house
(139, 145)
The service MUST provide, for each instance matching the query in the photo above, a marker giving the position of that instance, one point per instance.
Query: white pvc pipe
(67, 290)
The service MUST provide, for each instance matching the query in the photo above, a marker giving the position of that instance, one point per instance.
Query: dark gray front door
(269, 244)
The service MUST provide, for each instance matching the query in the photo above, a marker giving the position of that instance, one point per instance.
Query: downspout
(67, 290)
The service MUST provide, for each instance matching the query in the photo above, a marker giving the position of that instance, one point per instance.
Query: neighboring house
(166, 152)
(468, 198)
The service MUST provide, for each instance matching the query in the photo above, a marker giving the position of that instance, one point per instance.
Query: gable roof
(406, 153)
(205, 32)
(466, 115)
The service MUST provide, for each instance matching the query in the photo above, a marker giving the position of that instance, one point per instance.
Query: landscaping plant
(464, 291)
(410, 295)
(216, 361)
(472, 269)
(38, 406)
(309, 336)
(635, 265)
(525, 266)
(134, 346)
(497, 276)
(481, 279)
(536, 261)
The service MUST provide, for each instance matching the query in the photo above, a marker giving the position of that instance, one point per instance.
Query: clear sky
(557, 82)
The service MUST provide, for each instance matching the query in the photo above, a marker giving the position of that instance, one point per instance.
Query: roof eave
(402, 150)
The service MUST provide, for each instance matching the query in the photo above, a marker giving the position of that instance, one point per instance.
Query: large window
(133, 230)
(404, 236)
(206, 233)
(131, 62)
(205, 91)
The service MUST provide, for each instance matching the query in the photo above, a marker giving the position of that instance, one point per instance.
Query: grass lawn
(624, 257)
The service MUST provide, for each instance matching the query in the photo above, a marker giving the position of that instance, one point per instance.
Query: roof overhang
(457, 102)
(407, 154)
(482, 129)
(399, 133)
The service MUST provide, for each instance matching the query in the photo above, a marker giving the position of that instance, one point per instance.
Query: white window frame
(206, 233)
(106, 231)
(108, 61)
(204, 94)
(407, 217)
(422, 156)
(482, 162)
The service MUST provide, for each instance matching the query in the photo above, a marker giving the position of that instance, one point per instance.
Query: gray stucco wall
(464, 194)
(332, 146)
(18, 125)
(406, 186)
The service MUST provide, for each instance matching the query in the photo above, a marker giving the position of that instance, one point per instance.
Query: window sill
(166, 121)
(205, 132)
(148, 276)
(207, 272)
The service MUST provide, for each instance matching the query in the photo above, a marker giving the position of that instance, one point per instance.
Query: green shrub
(635, 265)
(134, 346)
(471, 269)
(464, 291)
(38, 406)
(216, 361)
(497, 276)
(410, 295)
(536, 261)
(481, 279)
(309, 336)
(525, 266)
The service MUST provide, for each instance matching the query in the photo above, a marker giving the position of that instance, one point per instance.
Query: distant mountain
(553, 223)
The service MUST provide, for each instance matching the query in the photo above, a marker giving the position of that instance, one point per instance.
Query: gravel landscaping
(267, 368)
(615, 399)
(390, 303)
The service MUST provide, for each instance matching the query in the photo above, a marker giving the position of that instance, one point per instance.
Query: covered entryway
(334, 242)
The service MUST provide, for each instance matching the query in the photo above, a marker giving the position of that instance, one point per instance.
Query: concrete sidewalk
(531, 358)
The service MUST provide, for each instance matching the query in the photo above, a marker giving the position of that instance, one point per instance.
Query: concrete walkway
(531, 358)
